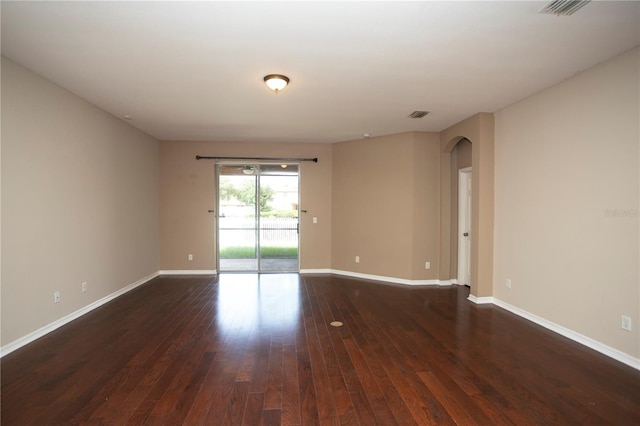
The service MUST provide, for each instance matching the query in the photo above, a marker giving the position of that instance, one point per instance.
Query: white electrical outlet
(508, 283)
(56, 297)
(625, 323)
(427, 265)
(84, 286)
(315, 220)
(190, 257)
(357, 259)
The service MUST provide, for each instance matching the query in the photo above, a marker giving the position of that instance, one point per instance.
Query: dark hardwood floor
(259, 350)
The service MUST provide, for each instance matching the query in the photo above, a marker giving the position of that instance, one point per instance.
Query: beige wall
(85, 197)
(376, 197)
(566, 158)
(79, 202)
(188, 191)
(385, 205)
(426, 211)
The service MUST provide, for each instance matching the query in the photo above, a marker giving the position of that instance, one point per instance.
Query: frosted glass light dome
(276, 82)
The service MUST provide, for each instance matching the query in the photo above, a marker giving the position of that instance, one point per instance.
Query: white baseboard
(383, 278)
(480, 300)
(315, 271)
(393, 280)
(188, 272)
(18, 343)
(570, 334)
(563, 331)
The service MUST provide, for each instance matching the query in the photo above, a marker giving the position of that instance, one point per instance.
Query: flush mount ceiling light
(276, 82)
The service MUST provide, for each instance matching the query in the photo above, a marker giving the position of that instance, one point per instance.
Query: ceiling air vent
(418, 114)
(564, 7)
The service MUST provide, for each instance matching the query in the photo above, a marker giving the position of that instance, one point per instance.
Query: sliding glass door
(257, 217)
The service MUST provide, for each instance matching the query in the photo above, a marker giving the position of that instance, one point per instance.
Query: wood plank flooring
(247, 349)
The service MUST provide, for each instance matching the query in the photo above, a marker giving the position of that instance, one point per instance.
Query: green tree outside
(246, 193)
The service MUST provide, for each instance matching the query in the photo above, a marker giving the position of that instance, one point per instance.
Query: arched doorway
(461, 194)
(479, 130)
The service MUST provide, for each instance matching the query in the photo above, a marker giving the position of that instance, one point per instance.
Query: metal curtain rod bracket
(200, 157)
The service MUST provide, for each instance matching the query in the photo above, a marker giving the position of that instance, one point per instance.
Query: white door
(464, 226)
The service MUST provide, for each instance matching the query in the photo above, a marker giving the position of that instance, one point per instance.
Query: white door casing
(464, 226)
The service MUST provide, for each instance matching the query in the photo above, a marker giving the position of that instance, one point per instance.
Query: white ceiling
(193, 70)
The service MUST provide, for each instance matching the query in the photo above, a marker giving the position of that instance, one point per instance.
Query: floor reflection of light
(249, 303)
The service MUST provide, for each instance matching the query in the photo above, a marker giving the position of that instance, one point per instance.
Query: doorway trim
(273, 265)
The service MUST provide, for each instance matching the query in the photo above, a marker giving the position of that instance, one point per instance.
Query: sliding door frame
(257, 213)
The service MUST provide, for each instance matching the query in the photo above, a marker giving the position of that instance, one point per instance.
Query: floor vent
(564, 7)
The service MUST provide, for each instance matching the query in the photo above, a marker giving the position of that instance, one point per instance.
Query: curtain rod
(200, 157)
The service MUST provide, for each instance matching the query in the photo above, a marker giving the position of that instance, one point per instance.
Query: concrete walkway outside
(266, 265)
